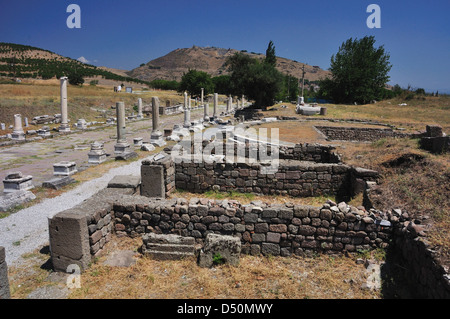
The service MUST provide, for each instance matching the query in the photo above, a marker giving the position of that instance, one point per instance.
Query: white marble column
(140, 115)
(216, 104)
(187, 111)
(206, 112)
(156, 138)
(121, 146)
(64, 126)
(18, 133)
(202, 95)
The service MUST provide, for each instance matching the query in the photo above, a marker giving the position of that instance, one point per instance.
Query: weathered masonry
(303, 170)
(4, 282)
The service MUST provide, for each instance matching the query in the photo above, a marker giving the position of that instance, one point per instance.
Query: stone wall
(293, 178)
(358, 133)
(80, 233)
(268, 229)
(4, 282)
(423, 271)
(410, 249)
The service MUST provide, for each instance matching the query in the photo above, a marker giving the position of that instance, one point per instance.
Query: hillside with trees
(23, 61)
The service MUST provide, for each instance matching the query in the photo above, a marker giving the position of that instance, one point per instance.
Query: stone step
(168, 239)
(170, 247)
(167, 246)
(166, 255)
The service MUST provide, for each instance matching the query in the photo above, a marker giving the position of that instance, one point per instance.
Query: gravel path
(27, 230)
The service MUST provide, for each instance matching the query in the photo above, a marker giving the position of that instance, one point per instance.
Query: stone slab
(10, 200)
(126, 156)
(58, 182)
(124, 181)
(122, 258)
(168, 246)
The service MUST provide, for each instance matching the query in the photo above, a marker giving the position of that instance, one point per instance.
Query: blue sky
(124, 34)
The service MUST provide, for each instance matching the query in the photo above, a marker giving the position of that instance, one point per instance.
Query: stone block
(69, 240)
(4, 282)
(270, 249)
(64, 168)
(152, 181)
(125, 181)
(220, 249)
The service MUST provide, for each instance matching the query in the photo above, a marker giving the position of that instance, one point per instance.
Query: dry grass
(247, 198)
(414, 116)
(32, 100)
(324, 277)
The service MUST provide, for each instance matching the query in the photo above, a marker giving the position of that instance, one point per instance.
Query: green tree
(222, 84)
(75, 78)
(193, 81)
(289, 90)
(259, 81)
(359, 72)
(271, 58)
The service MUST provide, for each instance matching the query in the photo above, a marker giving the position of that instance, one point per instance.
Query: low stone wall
(293, 178)
(412, 251)
(358, 133)
(431, 279)
(80, 233)
(271, 230)
(4, 282)
(310, 152)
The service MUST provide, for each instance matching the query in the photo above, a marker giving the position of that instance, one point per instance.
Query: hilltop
(211, 60)
(24, 61)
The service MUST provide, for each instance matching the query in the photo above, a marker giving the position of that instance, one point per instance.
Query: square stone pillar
(4, 282)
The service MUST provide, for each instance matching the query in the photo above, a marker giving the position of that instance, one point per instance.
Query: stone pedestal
(64, 126)
(44, 131)
(97, 154)
(137, 141)
(18, 133)
(64, 168)
(81, 124)
(16, 181)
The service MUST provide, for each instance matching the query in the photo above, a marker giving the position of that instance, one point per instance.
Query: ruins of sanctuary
(174, 227)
